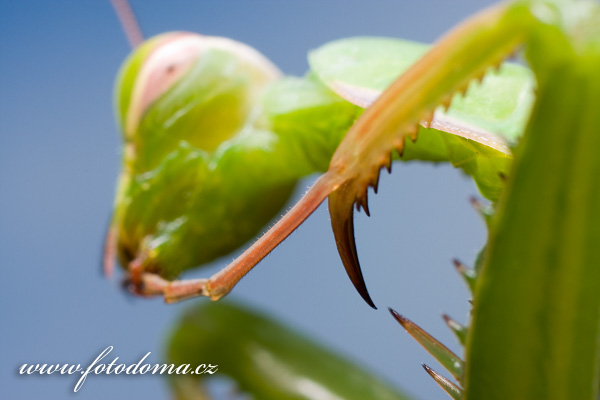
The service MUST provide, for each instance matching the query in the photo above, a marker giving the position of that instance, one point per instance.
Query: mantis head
(185, 86)
(182, 102)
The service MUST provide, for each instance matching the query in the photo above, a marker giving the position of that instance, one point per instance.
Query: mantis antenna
(129, 22)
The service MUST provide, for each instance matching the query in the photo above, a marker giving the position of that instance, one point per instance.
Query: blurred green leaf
(536, 316)
(265, 358)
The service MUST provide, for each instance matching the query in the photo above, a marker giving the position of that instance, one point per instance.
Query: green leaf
(265, 358)
(536, 316)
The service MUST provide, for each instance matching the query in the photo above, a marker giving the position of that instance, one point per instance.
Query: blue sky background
(59, 159)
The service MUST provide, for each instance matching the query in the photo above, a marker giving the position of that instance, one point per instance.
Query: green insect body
(474, 134)
(215, 140)
(534, 330)
(180, 98)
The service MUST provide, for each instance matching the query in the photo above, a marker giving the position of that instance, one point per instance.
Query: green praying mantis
(215, 138)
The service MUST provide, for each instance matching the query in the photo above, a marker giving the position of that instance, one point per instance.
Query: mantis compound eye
(167, 63)
(179, 85)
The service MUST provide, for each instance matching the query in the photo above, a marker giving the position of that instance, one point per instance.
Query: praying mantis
(187, 196)
(215, 139)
